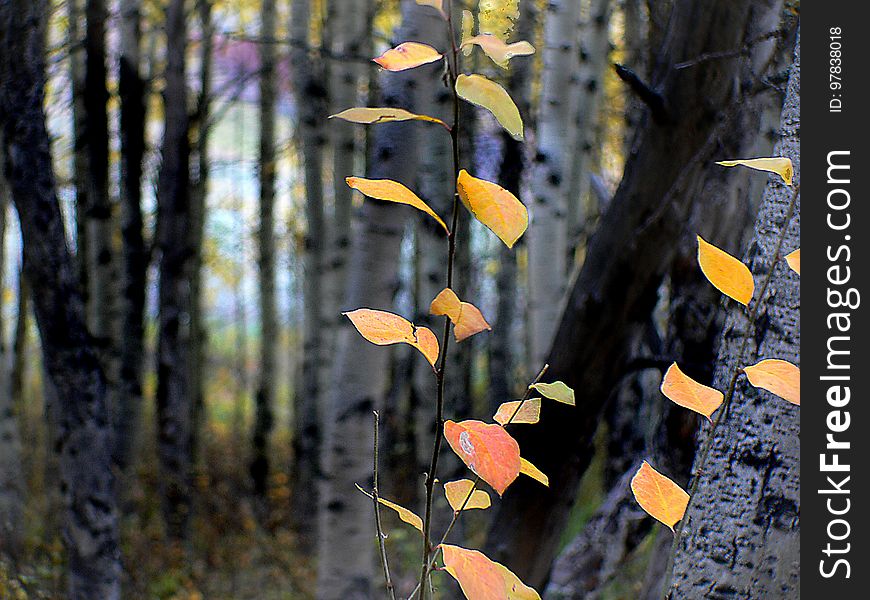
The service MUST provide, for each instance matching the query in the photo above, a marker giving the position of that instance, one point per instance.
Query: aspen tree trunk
(269, 333)
(346, 552)
(749, 479)
(310, 96)
(84, 435)
(18, 371)
(132, 90)
(75, 15)
(636, 46)
(173, 238)
(547, 235)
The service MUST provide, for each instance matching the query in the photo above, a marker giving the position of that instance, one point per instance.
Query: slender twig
(732, 384)
(380, 531)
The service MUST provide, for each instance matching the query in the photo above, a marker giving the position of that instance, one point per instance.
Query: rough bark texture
(173, 238)
(346, 552)
(749, 479)
(269, 333)
(131, 89)
(616, 287)
(84, 434)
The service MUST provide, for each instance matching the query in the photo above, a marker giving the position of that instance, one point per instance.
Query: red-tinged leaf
(529, 412)
(392, 191)
(794, 261)
(467, 319)
(685, 391)
(493, 206)
(530, 470)
(483, 579)
(405, 515)
(660, 497)
(487, 449)
(385, 328)
(407, 56)
(779, 377)
(726, 273)
(461, 497)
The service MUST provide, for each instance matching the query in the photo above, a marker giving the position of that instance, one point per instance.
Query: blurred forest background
(165, 417)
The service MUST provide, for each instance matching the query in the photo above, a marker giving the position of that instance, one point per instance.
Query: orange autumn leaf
(498, 50)
(529, 412)
(487, 449)
(794, 261)
(392, 191)
(407, 56)
(530, 470)
(487, 94)
(467, 319)
(483, 579)
(385, 328)
(405, 515)
(493, 206)
(660, 497)
(726, 273)
(779, 165)
(457, 493)
(779, 377)
(374, 115)
(685, 391)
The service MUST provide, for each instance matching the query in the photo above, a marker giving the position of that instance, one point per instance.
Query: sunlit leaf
(779, 165)
(436, 4)
(663, 499)
(685, 391)
(493, 206)
(557, 391)
(404, 514)
(530, 470)
(467, 319)
(483, 579)
(372, 116)
(530, 412)
(392, 191)
(497, 50)
(479, 90)
(794, 261)
(385, 328)
(458, 491)
(498, 17)
(487, 449)
(779, 377)
(467, 31)
(726, 273)
(407, 56)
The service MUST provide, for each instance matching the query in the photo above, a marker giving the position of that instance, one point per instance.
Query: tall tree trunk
(75, 16)
(269, 332)
(173, 238)
(749, 479)
(18, 371)
(626, 259)
(346, 558)
(547, 235)
(132, 90)
(311, 101)
(71, 361)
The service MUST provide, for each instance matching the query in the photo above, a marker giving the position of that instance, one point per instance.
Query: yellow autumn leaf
(493, 206)
(436, 4)
(487, 94)
(498, 17)
(529, 412)
(497, 50)
(405, 515)
(530, 470)
(777, 376)
(384, 328)
(660, 497)
(467, 319)
(407, 55)
(457, 493)
(483, 579)
(392, 191)
(779, 165)
(794, 261)
(726, 273)
(557, 391)
(467, 31)
(384, 114)
(685, 391)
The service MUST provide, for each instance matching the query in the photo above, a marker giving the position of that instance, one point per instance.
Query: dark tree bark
(84, 435)
(173, 238)
(741, 534)
(616, 287)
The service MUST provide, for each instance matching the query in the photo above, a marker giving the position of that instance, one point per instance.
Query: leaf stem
(391, 590)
